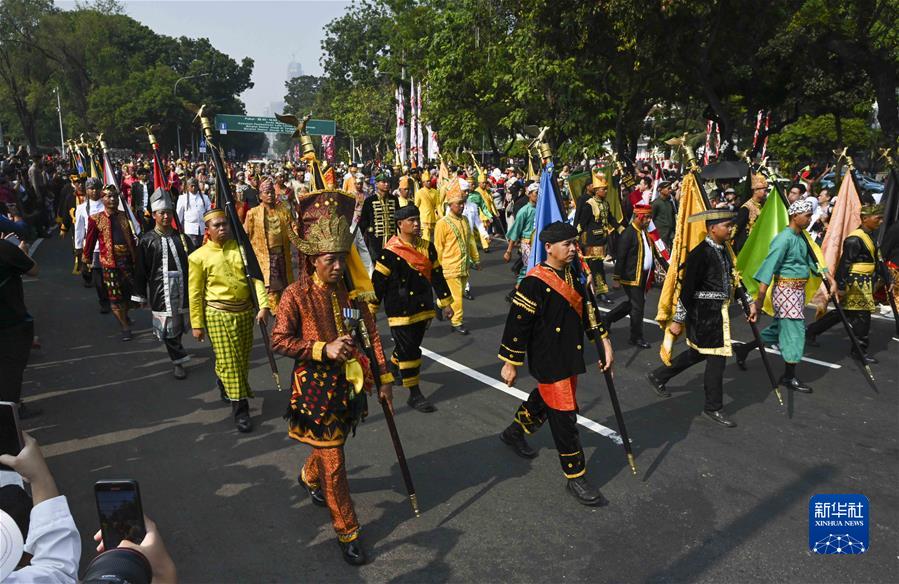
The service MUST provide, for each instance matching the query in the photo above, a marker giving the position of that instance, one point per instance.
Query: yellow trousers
(427, 231)
(457, 286)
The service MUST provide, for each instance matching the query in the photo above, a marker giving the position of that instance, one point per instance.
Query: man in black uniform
(707, 289)
(634, 254)
(749, 211)
(546, 322)
(160, 279)
(405, 273)
(378, 218)
(595, 222)
(860, 264)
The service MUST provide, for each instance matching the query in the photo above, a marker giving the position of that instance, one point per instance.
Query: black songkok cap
(556, 232)
(407, 212)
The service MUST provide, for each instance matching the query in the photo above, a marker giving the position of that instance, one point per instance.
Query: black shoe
(795, 384)
(460, 329)
(180, 372)
(315, 493)
(605, 300)
(657, 385)
(421, 403)
(865, 359)
(28, 412)
(352, 552)
(242, 419)
(640, 343)
(468, 295)
(126, 336)
(222, 394)
(585, 493)
(741, 358)
(514, 437)
(720, 418)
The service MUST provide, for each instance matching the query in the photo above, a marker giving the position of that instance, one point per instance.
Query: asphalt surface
(708, 504)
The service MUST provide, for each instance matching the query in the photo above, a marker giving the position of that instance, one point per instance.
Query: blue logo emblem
(838, 524)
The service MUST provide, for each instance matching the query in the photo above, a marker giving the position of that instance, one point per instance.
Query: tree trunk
(884, 78)
(838, 127)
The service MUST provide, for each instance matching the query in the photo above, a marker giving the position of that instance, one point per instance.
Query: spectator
(16, 325)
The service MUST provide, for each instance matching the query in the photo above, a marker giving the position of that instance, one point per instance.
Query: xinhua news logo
(838, 524)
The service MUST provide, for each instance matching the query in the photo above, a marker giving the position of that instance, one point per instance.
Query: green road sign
(225, 123)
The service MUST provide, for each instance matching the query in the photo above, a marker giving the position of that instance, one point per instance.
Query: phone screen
(121, 513)
(10, 434)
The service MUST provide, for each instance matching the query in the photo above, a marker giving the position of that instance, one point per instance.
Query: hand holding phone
(121, 512)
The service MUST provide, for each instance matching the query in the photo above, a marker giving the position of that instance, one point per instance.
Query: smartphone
(11, 441)
(121, 512)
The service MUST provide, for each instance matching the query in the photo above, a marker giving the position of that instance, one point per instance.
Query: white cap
(463, 184)
(11, 545)
(533, 187)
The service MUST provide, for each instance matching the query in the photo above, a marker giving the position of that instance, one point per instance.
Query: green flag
(771, 220)
(613, 198)
(577, 182)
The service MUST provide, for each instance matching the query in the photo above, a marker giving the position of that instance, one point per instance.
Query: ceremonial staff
(225, 200)
(833, 297)
(744, 304)
(362, 334)
(162, 180)
(592, 308)
(110, 178)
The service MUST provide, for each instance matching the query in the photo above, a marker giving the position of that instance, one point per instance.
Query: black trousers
(97, 281)
(859, 320)
(633, 306)
(407, 350)
(598, 268)
(534, 412)
(713, 380)
(175, 350)
(15, 347)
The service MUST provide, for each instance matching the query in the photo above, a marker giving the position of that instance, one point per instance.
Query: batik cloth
(231, 336)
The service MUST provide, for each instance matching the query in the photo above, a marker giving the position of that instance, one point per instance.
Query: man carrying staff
(786, 270)
(546, 322)
(595, 223)
(112, 230)
(331, 370)
(406, 277)
(91, 272)
(271, 230)
(856, 275)
(221, 306)
(160, 278)
(707, 289)
(750, 210)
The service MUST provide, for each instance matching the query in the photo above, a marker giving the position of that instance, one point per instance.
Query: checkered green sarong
(231, 335)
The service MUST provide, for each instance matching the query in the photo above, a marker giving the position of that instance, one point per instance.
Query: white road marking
(33, 249)
(515, 392)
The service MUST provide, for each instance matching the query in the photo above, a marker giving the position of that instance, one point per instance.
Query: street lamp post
(175, 94)
(62, 139)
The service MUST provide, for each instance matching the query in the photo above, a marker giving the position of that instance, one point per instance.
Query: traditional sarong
(788, 297)
(119, 281)
(231, 336)
(324, 408)
(277, 276)
(860, 288)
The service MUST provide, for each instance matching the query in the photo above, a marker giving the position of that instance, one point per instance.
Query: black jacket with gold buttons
(404, 291)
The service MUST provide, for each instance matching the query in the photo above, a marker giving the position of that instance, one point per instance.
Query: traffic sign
(234, 123)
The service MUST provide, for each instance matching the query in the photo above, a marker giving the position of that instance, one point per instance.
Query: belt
(120, 249)
(230, 305)
(595, 251)
(794, 283)
(862, 268)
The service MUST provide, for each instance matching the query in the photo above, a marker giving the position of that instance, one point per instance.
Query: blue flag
(547, 212)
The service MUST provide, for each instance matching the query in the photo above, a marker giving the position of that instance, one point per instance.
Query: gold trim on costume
(318, 350)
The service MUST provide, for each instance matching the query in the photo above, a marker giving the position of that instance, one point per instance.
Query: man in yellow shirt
(221, 305)
(271, 230)
(404, 192)
(430, 205)
(457, 251)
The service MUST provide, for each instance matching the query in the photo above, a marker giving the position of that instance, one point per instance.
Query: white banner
(433, 147)
(413, 127)
(400, 147)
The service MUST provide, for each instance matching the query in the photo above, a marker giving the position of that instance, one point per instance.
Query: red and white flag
(419, 137)
(400, 146)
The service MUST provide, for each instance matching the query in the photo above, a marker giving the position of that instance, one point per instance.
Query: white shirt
(81, 215)
(471, 212)
(190, 208)
(647, 251)
(54, 543)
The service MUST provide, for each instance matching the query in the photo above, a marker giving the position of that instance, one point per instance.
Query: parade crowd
(339, 246)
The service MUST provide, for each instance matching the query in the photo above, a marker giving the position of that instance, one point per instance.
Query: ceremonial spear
(363, 335)
(225, 200)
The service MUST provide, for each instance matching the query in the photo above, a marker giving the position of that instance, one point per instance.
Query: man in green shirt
(521, 231)
(664, 213)
(786, 270)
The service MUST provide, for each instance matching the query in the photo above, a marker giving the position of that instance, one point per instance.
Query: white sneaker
(886, 310)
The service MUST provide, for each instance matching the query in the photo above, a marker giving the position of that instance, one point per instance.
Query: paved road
(708, 504)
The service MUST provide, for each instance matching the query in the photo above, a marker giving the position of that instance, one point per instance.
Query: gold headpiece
(759, 181)
(329, 234)
(599, 180)
(454, 191)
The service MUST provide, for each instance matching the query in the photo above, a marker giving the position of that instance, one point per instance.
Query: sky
(272, 33)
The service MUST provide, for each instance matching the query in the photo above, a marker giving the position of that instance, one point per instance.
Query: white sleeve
(179, 208)
(54, 543)
(80, 226)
